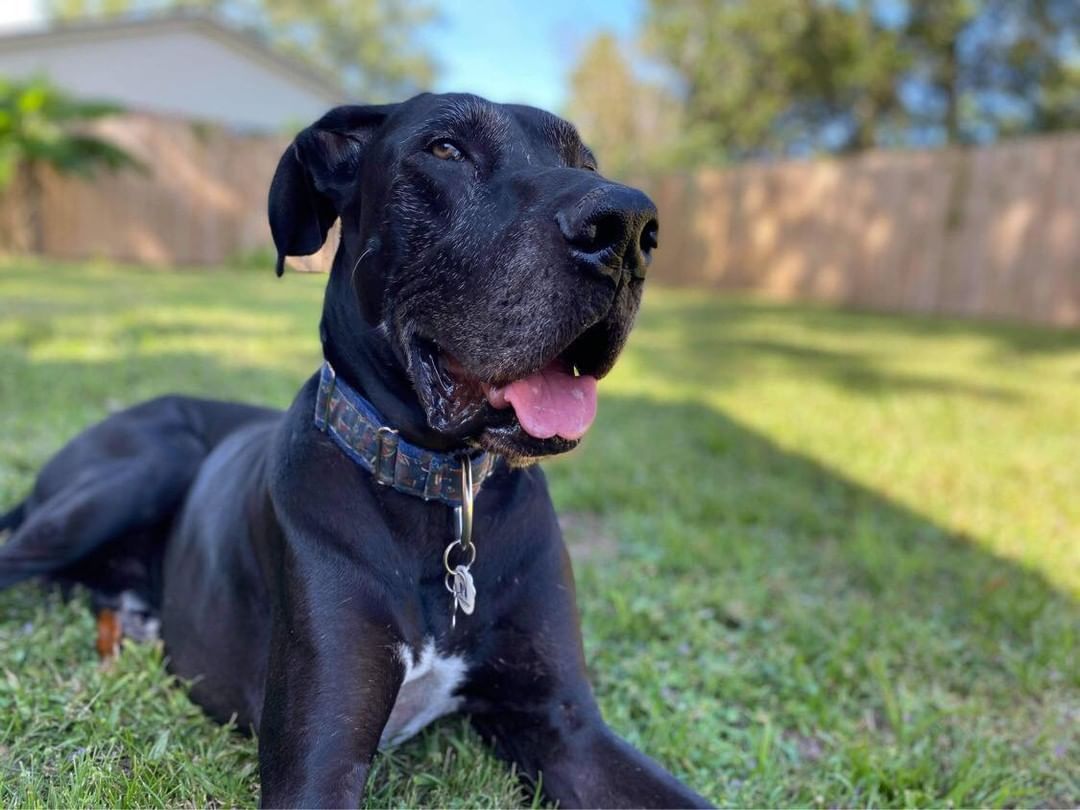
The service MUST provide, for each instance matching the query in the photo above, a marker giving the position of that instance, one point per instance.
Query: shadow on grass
(857, 373)
(1009, 337)
(687, 464)
(727, 341)
(784, 633)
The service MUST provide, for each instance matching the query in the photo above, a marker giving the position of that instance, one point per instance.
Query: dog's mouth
(540, 411)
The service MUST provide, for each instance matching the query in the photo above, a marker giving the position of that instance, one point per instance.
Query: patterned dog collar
(356, 427)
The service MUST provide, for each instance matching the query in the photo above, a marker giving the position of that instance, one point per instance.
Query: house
(183, 65)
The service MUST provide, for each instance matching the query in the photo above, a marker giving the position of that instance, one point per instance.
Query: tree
(763, 76)
(371, 46)
(630, 123)
(42, 127)
(782, 76)
(994, 67)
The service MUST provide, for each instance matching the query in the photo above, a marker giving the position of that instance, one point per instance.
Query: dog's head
(502, 269)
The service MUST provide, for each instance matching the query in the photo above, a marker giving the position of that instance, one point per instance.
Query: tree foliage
(624, 119)
(371, 46)
(994, 67)
(766, 75)
(782, 76)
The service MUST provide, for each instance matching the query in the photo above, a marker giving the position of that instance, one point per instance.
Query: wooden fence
(987, 232)
(199, 197)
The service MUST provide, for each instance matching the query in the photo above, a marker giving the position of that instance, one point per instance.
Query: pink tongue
(550, 402)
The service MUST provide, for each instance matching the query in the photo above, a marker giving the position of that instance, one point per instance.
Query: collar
(357, 428)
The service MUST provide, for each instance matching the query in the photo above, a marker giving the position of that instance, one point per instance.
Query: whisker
(352, 275)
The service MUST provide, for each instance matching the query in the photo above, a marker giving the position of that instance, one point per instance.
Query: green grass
(825, 559)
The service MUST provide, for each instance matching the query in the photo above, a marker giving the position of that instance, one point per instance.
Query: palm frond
(41, 124)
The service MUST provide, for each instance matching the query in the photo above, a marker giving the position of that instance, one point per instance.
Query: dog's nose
(614, 227)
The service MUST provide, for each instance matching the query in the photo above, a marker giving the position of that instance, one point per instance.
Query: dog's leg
(103, 503)
(531, 698)
(580, 762)
(333, 675)
(12, 519)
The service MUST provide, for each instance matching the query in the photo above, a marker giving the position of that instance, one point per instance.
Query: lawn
(823, 558)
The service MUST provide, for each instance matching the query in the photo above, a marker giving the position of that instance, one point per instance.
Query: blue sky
(507, 50)
(521, 50)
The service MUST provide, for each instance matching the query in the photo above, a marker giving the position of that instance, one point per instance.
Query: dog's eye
(445, 150)
(589, 167)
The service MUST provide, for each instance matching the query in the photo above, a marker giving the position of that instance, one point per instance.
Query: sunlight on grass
(832, 558)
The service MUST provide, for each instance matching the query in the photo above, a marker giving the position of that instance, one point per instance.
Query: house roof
(245, 41)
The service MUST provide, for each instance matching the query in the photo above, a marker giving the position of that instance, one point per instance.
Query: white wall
(178, 70)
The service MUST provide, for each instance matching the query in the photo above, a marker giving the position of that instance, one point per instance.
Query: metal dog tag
(464, 590)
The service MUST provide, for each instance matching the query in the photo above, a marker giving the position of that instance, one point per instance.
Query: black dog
(323, 572)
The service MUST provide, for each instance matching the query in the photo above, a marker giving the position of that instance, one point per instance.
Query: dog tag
(464, 590)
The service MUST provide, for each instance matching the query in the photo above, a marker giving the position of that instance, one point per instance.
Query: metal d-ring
(458, 580)
(470, 549)
(463, 521)
(465, 516)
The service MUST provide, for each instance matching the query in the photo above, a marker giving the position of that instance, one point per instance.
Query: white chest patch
(426, 694)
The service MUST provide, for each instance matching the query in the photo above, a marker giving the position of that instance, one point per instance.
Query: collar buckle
(385, 461)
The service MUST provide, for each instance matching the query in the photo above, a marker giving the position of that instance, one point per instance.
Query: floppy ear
(317, 175)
